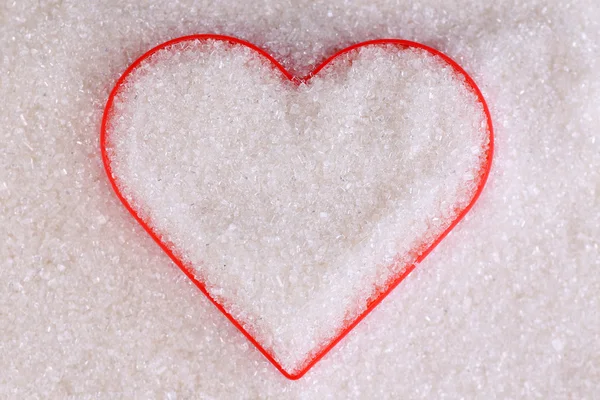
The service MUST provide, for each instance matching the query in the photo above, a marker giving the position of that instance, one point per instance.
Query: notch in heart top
(296, 204)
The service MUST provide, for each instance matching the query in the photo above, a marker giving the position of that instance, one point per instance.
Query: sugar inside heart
(295, 202)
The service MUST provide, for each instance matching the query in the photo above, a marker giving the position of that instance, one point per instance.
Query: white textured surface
(296, 204)
(506, 307)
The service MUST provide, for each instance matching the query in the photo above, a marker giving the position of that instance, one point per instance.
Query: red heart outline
(381, 292)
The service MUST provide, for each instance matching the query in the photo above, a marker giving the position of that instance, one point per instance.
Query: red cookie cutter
(385, 289)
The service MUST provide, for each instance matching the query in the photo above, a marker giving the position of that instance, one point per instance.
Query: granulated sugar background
(507, 306)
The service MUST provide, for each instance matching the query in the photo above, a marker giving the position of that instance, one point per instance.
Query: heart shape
(296, 204)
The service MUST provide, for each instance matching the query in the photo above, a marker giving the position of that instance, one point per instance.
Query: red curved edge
(187, 269)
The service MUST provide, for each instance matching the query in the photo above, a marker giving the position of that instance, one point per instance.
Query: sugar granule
(295, 205)
(505, 307)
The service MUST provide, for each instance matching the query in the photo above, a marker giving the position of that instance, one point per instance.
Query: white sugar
(293, 218)
(505, 307)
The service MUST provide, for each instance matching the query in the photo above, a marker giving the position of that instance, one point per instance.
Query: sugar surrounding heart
(90, 307)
